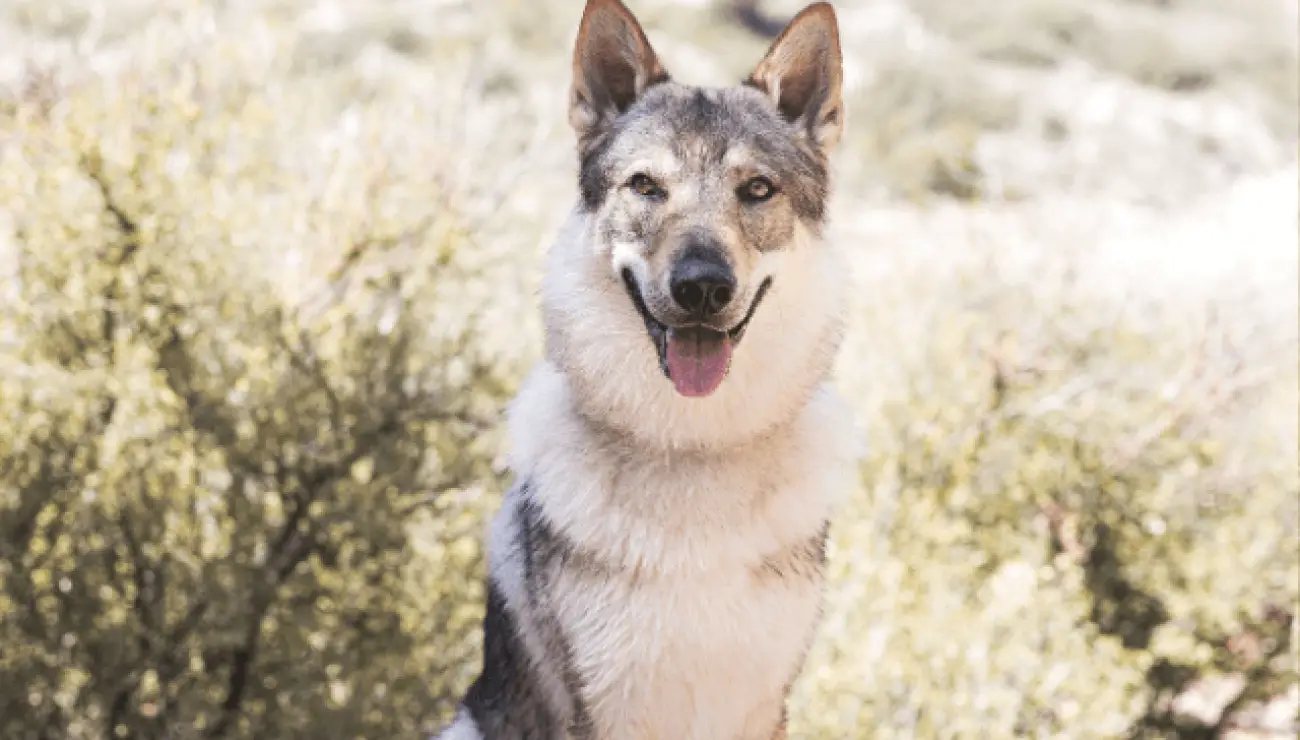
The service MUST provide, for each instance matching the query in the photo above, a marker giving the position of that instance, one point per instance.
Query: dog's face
(696, 200)
(690, 190)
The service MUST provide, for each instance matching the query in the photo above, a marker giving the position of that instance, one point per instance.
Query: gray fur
(656, 571)
(699, 126)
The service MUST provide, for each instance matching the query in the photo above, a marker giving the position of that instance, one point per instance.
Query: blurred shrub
(1059, 533)
(208, 489)
(919, 124)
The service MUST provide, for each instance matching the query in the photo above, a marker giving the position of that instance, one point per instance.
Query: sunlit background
(268, 278)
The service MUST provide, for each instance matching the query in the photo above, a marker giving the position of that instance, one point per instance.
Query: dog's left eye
(646, 187)
(757, 190)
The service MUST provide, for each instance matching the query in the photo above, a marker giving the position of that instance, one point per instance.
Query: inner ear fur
(803, 75)
(613, 64)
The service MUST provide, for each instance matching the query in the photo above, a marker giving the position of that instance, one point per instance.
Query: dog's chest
(687, 585)
(703, 657)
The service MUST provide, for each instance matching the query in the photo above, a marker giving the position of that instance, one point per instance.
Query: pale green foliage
(206, 491)
(1043, 547)
(267, 284)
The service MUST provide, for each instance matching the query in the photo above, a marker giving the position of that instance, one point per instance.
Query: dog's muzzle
(697, 357)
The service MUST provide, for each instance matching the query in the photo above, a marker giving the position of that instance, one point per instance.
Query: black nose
(701, 282)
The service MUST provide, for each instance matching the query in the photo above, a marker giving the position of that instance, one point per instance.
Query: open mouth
(695, 358)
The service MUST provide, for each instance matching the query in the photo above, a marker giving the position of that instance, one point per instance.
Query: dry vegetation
(267, 278)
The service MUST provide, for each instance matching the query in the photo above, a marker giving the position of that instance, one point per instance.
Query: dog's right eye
(646, 188)
(757, 190)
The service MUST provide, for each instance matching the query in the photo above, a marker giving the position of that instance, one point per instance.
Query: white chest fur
(694, 624)
(694, 657)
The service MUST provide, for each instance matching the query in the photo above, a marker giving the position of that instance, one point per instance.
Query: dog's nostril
(720, 298)
(689, 295)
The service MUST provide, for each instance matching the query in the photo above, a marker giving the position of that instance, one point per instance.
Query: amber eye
(646, 187)
(757, 190)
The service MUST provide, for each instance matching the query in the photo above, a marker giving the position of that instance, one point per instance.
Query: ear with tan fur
(803, 74)
(612, 65)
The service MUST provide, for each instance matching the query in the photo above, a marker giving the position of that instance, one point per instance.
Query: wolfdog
(656, 569)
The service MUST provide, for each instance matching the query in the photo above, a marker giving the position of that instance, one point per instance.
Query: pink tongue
(698, 360)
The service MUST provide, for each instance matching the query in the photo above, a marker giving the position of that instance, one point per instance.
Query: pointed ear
(803, 74)
(612, 65)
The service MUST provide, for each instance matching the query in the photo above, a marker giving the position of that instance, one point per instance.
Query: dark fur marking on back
(547, 552)
(506, 701)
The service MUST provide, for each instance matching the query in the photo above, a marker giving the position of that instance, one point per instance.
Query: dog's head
(701, 209)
